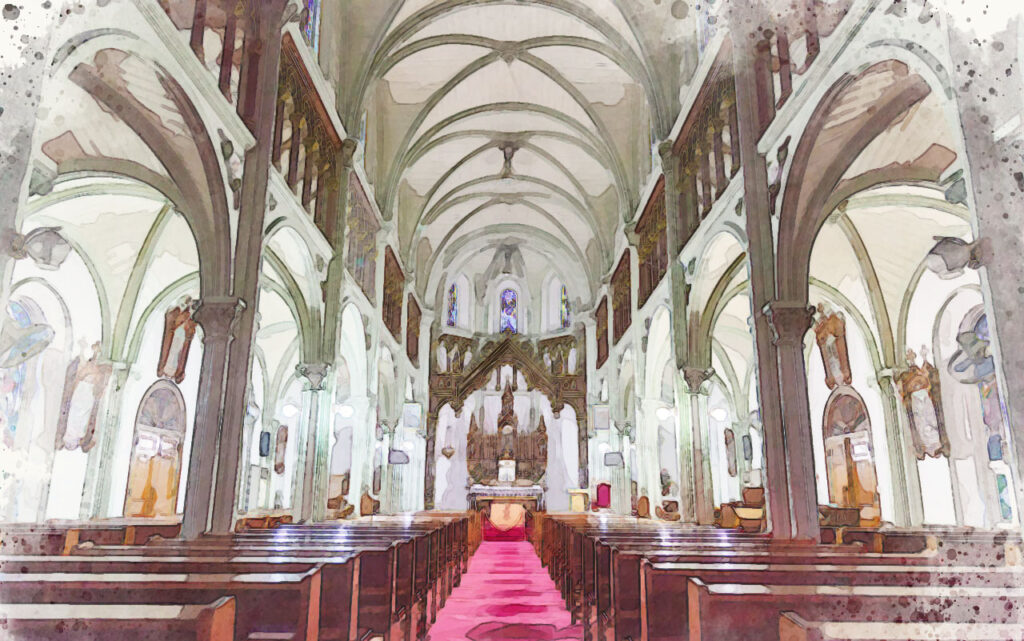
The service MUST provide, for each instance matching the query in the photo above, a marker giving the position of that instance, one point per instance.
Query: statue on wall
(179, 330)
(919, 389)
(830, 333)
(280, 449)
(84, 387)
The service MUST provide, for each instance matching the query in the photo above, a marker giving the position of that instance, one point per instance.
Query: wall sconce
(398, 457)
(44, 245)
(346, 411)
(951, 256)
(719, 414)
(664, 413)
(614, 459)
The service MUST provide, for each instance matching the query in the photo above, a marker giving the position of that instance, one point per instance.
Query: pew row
(89, 622)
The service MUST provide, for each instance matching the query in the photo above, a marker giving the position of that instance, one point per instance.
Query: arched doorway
(849, 456)
(156, 453)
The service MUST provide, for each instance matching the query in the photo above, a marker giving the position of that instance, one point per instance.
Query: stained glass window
(453, 305)
(565, 308)
(509, 311)
(311, 27)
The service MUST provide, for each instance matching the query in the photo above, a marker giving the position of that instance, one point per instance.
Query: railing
(789, 50)
(306, 146)
(707, 146)
(652, 244)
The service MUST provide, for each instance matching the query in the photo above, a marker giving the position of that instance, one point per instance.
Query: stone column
(262, 49)
(761, 254)
(217, 316)
(906, 483)
(988, 87)
(317, 440)
(789, 323)
(687, 484)
(96, 502)
(703, 490)
(26, 70)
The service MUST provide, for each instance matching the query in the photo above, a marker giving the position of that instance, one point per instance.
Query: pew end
(102, 622)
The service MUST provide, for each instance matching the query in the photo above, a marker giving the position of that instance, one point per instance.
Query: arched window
(509, 311)
(311, 25)
(453, 306)
(564, 308)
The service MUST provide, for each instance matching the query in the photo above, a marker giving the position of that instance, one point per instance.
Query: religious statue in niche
(280, 449)
(730, 451)
(919, 389)
(179, 330)
(974, 364)
(849, 457)
(830, 332)
(84, 386)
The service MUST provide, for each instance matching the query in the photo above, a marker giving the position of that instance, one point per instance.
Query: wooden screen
(602, 331)
(362, 242)
(622, 299)
(394, 286)
(652, 246)
(412, 331)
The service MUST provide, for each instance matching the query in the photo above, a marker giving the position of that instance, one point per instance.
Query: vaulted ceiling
(497, 122)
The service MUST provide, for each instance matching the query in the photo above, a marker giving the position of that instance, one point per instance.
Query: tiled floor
(506, 596)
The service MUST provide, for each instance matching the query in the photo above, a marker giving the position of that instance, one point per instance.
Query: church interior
(430, 320)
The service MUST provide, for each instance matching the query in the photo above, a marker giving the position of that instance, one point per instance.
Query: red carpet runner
(506, 596)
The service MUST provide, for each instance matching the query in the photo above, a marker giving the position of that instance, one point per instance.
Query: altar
(531, 497)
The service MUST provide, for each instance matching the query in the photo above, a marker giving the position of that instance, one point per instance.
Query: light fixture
(664, 413)
(290, 410)
(719, 414)
(346, 411)
(603, 448)
(951, 256)
(44, 245)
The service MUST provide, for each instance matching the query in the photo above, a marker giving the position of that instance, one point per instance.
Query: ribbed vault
(534, 118)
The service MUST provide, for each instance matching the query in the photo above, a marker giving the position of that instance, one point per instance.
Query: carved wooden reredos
(547, 365)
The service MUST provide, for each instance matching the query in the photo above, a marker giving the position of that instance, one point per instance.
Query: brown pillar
(790, 323)
(263, 44)
(761, 254)
(217, 317)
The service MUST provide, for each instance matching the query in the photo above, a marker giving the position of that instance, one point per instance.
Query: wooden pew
(401, 578)
(268, 605)
(664, 590)
(738, 612)
(792, 627)
(88, 622)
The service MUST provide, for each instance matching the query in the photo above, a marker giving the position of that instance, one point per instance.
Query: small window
(509, 311)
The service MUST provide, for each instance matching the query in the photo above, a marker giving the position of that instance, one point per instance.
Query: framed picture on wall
(602, 417)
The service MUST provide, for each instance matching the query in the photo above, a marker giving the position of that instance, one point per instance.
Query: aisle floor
(505, 596)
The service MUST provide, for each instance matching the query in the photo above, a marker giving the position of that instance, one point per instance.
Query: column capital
(696, 377)
(217, 315)
(348, 150)
(789, 321)
(314, 373)
(669, 160)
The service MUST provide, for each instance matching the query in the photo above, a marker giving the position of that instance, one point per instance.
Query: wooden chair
(643, 508)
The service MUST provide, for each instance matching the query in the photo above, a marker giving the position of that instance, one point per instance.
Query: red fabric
(505, 596)
(604, 495)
